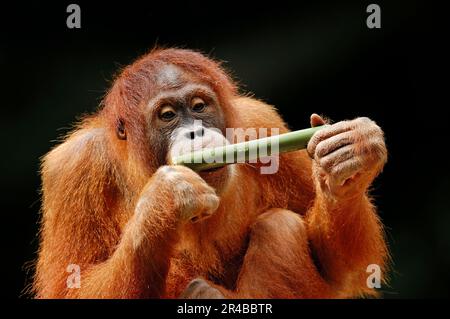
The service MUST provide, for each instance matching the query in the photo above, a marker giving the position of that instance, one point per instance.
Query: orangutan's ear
(120, 129)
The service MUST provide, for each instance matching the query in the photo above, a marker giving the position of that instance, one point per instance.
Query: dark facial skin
(175, 108)
(181, 100)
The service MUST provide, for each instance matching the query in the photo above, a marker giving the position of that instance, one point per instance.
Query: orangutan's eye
(198, 105)
(167, 113)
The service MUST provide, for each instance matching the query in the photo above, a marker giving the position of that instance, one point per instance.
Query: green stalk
(246, 151)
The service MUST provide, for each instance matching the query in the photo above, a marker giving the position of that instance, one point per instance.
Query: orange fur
(272, 235)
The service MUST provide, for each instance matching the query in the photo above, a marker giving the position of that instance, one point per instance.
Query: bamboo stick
(246, 151)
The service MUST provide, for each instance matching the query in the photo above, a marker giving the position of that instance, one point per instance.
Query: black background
(304, 57)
